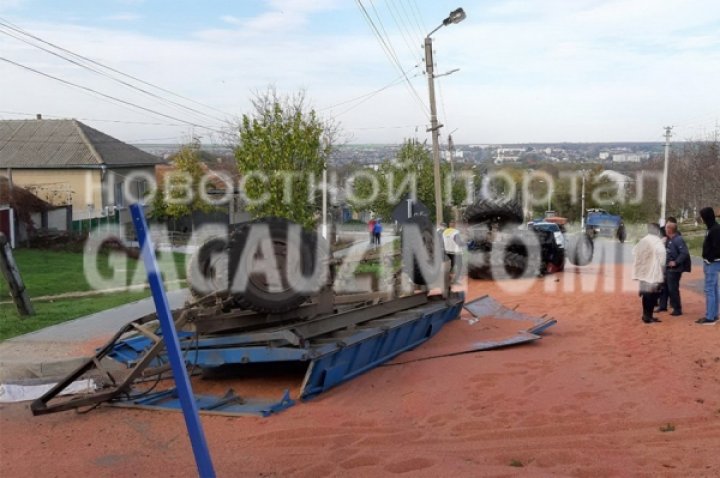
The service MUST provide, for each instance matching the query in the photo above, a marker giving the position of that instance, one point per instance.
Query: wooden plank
(10, 271)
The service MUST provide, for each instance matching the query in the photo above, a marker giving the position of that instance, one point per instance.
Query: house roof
(66, 143)
(20, 199)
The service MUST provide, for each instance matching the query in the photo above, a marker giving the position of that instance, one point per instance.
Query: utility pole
(435, 129)
(456, 16)
(451, 152)
(582, 204)
(663, 199)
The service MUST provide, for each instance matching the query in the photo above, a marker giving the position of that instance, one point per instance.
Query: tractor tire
(426, 240)
(580, 249)
(258, 293)
(207, 270)
(621, 234)
(500, 212)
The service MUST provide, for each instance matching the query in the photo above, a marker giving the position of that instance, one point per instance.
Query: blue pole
(182, 381)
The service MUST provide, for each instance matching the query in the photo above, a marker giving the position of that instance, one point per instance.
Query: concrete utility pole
(582, 203)
(663, 199)
(435, 129)
(456, 16)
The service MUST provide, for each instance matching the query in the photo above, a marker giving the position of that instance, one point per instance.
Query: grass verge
(48, 273)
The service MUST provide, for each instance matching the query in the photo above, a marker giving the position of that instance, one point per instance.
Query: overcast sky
(530, 71)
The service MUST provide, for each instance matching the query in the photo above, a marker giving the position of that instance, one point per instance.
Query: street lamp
(549, 193)
(456, 16)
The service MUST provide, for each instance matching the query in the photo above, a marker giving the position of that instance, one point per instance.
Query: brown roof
(22, 199)
(67, 143)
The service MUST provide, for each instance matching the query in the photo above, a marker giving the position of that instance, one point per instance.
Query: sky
(529, 71)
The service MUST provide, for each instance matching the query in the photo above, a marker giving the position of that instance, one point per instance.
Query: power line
(106, 75)
(367, 98)
(8, 24)
(417, 15)
(148, 123)
(109, 76)
(119, 100)
(396, 81)
(401, 27)
(388, 52)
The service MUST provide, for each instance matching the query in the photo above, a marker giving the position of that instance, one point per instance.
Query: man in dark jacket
(678, 261)
(711, 266)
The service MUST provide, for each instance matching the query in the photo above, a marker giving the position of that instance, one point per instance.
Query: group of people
(660, 259)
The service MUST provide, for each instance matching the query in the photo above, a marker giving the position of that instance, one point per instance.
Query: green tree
(411, 172)
(283, 148)
(182, 196)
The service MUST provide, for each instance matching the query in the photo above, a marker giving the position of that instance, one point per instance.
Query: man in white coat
(648, 265)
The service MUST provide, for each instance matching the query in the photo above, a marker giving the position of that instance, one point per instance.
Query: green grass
(51, 313)
(694, 244)
(56, 272)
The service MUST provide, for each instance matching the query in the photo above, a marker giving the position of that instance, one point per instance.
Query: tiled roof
(50, 144)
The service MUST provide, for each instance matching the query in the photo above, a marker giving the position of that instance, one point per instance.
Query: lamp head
(456, 16)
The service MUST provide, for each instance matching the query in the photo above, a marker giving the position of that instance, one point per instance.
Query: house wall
(83, 187)
(78, 187)
(121, 181)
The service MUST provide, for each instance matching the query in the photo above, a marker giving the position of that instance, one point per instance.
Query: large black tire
(580, 249)
(207, 270)
(426, 240)
(257, 293)
(621, 233)
(490, 211)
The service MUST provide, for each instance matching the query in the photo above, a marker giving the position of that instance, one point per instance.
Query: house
(66, 162)
(220, 186)
(23, 215)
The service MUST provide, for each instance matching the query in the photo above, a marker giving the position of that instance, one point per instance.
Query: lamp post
(549, 193)
(663, 199)
(456, 16)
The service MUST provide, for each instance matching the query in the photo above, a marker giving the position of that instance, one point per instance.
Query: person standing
(664, 295)
(678, 261)
(377, 231)
(454, 249)
(711, 266)
(648, 263)
(371, 230)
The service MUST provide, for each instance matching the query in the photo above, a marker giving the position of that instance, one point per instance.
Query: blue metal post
(182, 381)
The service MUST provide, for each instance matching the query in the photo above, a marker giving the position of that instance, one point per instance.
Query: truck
(599, 222)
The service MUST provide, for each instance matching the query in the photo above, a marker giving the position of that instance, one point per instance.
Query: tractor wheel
(259, 292)
(427, 240)
(580, 249)
(490, 211)
(621, 234)
(207, 270)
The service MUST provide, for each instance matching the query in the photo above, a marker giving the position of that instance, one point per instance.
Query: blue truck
(599, 222)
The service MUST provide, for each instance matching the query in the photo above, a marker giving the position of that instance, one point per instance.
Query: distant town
(615, 154)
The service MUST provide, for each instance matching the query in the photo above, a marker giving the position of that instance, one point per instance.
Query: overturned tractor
(501, 247)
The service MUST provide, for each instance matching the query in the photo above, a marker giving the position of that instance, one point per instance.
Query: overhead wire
(10, 25)
(417, 15)
(173, 103)
(366, 96)
(388, 52)
(148, 123)
(104, 95)
(402, 28)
